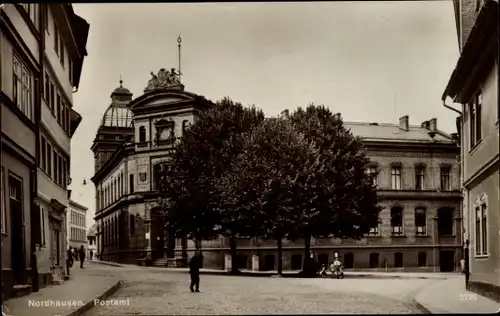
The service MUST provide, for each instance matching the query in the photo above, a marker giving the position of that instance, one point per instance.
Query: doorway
(374, 260)
(269, 263)
(446, 261)
(323, 259)
(296, 262)
(157, 235)
(17, 233)
(348, 261)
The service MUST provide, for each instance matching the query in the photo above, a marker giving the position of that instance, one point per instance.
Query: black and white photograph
(250, 158)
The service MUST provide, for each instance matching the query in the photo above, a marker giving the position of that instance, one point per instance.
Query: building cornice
(478, 53)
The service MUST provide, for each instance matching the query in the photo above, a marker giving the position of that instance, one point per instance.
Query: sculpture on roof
(163, 80)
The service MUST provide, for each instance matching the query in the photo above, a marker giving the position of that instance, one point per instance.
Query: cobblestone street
(154, 291)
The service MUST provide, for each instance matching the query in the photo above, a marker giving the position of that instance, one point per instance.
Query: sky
(371, 61)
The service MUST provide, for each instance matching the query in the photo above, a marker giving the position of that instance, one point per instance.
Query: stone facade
(128, 227)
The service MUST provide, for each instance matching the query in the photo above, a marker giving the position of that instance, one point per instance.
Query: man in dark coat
(194, 271)
(466, 264)
(82, 256)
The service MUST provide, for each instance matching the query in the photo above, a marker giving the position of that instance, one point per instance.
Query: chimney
(403, 123)
(425, 124)
(433, 124)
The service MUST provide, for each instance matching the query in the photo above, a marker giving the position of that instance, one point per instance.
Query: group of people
(73, 255)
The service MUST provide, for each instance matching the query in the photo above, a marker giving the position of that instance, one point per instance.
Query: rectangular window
(61, 51)
(484, 230)
(67, 120)
(56, 174)
(397, 220)
(478, 247)
(52, 101)
(32, 10)
(131, 183)
(23, 87)
(445, 179)
(420, 221)
(47, 88)
(479, 103)
(60, 172)
(49, 160)
(43, 155)
(56, 39)
(475, 124)
(2, 201)
(396, 178)
(419, 178)
(46, 18)
(58, 109)
(372, 172)
(42, 214)
(64, 173)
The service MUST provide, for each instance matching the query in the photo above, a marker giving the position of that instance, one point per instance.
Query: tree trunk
(307, 251)
(280, 256)
(234, 255)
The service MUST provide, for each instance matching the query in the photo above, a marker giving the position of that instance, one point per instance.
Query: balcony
(418, 194)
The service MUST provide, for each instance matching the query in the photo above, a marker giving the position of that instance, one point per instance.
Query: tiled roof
(393, 133)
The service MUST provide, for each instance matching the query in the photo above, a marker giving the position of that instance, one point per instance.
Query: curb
(108, 263)
(112, 290)
(421, 307)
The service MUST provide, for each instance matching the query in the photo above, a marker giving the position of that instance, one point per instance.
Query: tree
(337, 198)
(259, 186)
(192, 204)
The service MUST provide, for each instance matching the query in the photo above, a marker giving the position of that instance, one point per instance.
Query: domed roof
(92, 230)
(118, 114)
(121, 90)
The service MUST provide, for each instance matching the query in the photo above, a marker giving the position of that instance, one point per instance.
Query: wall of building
(486, 269)
(13, 166)
(475, 158)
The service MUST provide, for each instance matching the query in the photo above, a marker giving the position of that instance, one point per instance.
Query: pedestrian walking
(194, 271)
(91, 254)
(466, 264)
(82, 256)
(69, 259)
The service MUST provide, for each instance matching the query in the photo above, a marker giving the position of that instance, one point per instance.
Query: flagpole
(179, 42)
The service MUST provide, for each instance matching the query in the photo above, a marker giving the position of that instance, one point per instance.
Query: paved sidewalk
(288, 273)
(450, 296)
(73, 297)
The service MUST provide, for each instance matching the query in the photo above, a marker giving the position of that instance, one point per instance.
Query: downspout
(449, 107)
(464, 230)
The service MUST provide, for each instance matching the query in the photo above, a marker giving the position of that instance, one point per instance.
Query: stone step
(19, 290)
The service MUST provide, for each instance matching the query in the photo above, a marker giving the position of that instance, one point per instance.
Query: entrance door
(374, 260)
(323, 259)
(447, 260)
(157, 235)
(269, 263)
(17, 235)
(348, 261)
(296, 262)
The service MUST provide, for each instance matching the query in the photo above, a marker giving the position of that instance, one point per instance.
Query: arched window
(142, 134)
